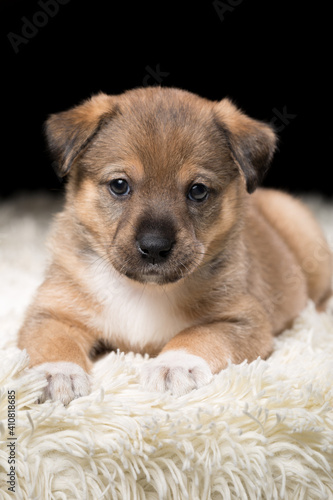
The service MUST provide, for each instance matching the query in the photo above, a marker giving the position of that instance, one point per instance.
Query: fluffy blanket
(259, 431)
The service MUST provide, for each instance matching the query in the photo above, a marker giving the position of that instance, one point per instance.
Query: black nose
(154, 247)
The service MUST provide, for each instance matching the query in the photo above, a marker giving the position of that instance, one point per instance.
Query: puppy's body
(196, 276)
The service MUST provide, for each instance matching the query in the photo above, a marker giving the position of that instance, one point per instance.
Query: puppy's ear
(68, 133)
(252, 142)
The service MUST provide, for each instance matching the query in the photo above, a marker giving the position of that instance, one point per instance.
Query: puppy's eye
(119, 187)
(198, 192)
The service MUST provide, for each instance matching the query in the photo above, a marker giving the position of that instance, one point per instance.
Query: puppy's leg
(59, 350)
(190, 359)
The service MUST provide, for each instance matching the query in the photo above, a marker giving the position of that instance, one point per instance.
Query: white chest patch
(133, 314)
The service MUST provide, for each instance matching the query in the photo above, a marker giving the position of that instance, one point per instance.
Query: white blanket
(259, 431)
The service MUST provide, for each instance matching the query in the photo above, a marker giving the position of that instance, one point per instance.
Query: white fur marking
(133, 313)
(177, 371)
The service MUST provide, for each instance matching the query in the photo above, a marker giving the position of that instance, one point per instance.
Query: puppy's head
(157, 176)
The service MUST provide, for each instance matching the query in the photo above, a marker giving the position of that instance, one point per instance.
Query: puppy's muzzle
(160, 253)
(155, 246)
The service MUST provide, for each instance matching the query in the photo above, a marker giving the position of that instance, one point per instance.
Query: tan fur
(241, 268)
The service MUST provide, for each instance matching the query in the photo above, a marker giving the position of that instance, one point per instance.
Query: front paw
(66, 381)
(176, 371)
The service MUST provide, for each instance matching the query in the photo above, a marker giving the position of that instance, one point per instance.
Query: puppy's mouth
(153, 274)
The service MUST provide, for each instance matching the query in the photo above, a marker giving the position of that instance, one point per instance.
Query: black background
(271, 57)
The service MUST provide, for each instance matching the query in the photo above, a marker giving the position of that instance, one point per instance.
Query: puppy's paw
(176, 371)
(66, 381)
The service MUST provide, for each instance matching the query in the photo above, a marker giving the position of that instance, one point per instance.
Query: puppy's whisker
(166, 295)
(127, 262)
(142, 293)
(182, 264)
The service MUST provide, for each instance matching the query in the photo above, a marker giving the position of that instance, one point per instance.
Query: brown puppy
(160, 247)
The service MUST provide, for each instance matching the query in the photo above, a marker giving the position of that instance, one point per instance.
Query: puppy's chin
(153, 277)
(153, 274)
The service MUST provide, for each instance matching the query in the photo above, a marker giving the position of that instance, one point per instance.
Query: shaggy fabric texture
(259, 431)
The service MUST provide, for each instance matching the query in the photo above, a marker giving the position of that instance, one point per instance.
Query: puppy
(161, 248)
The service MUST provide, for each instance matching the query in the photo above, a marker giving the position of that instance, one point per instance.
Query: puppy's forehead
(165, 104)
(163, 129)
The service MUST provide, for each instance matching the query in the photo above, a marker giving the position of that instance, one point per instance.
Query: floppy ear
(252, 142)
(68, 133)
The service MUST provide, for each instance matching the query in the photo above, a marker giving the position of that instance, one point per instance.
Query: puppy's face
(156, 177)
